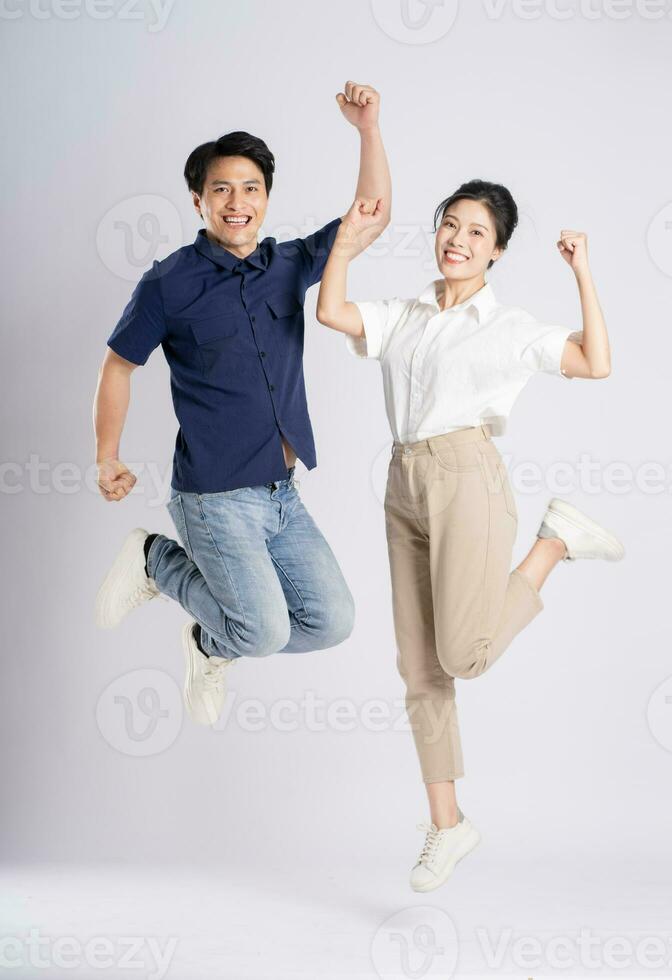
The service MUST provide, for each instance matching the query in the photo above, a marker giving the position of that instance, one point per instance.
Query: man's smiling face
(233, 203)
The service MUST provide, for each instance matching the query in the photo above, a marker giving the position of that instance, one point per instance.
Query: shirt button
(407, 452)
(262, 353)
(271, 387)
(253, 318)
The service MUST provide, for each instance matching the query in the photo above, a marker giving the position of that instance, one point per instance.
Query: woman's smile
(453, 257)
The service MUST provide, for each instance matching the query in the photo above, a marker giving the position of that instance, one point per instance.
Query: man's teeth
(236, 221)
(455, 257)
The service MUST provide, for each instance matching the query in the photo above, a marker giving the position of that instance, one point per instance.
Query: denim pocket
(176, 511)
(223, 494)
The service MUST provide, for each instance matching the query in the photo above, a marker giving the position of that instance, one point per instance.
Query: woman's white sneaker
(442, 850)
(582, 537)
(126, 584)
(205, 679)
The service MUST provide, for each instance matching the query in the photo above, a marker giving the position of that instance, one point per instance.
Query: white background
(567, 740)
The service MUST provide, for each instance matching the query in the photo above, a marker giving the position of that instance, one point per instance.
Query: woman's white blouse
(464, 366)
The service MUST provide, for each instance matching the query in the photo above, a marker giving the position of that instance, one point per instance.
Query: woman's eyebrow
(472, 223)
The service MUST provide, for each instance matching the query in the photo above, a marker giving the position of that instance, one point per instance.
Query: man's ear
(196, 201)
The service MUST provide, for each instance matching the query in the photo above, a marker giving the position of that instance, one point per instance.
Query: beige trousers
(451, 523)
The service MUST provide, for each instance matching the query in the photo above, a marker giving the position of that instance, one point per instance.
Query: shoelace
(431, 845)
(213, 671)
(143, 591)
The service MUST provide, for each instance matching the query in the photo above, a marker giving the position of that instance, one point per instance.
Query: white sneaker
(205, 680)
(127, 584)
(442, 850)
(583, 537)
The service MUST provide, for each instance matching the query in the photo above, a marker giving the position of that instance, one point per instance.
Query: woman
(454, 360)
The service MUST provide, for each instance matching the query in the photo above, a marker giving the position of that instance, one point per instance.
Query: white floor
(566, 915)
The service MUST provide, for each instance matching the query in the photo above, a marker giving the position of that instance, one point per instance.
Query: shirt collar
(482, 301)
(227, 260)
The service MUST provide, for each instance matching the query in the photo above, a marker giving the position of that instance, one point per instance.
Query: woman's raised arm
(359, 227)
(592, 357)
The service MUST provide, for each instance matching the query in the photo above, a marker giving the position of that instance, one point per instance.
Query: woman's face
(466, 241)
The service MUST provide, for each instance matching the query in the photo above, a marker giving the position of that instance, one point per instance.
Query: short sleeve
(142, 326)
(315, 249)
(543, 345)
(379, 317)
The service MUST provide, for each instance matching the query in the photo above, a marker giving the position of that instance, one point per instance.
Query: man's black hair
(230, 145)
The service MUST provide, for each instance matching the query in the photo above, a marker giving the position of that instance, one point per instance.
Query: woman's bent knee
(466, 661)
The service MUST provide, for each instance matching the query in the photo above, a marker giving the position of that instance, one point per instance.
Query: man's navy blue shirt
(232, 332)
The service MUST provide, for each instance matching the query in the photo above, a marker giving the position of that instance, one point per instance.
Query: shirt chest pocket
(286, 323)
(217, 341)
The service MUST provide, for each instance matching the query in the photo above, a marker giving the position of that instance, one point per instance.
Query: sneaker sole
(467, 846)
(578, 519)
(120, 568)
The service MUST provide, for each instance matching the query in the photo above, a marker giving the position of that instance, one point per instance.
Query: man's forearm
(110, 407)
(374, 180)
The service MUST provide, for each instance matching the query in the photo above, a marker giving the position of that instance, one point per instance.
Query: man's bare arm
(360, 104)
(110, 407)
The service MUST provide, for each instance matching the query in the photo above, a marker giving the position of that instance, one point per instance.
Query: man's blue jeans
(254, 571)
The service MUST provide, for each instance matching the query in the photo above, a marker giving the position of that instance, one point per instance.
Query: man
(253, 570)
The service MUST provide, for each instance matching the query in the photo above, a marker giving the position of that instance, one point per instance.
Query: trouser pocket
(497, 479)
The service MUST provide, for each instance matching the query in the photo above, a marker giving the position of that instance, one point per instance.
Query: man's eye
(477, 232)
